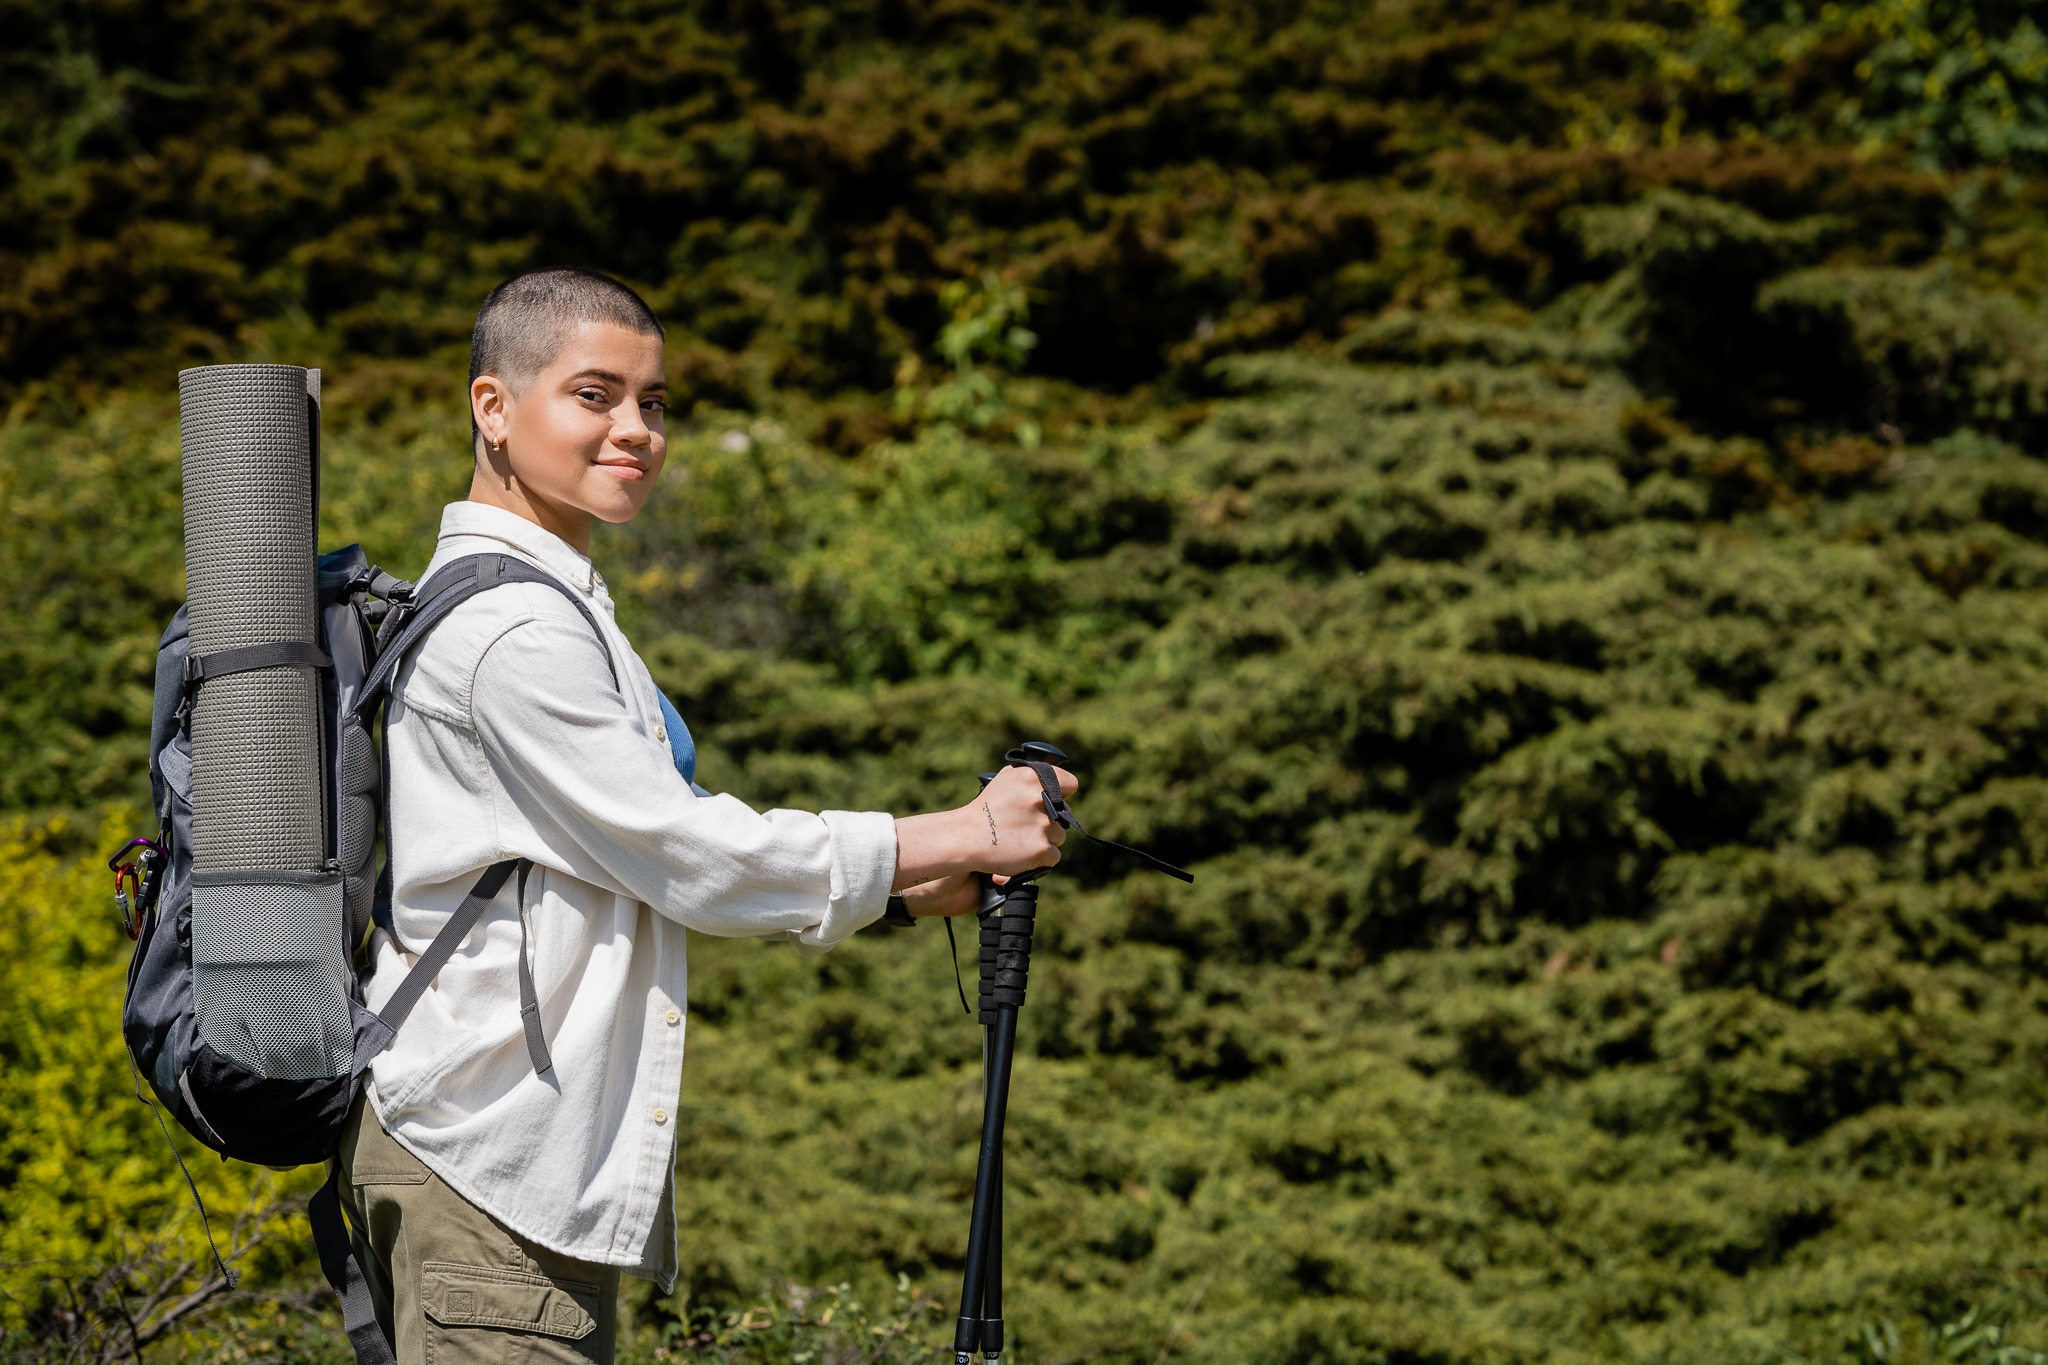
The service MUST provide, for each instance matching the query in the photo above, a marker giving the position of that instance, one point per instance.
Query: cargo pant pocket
(371, 1156)
(481, 1315)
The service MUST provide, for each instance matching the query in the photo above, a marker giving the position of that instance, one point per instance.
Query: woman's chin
(622, 506)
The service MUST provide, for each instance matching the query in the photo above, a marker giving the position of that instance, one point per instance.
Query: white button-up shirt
(509, 739)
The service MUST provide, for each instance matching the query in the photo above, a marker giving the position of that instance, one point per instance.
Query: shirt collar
(553, 553)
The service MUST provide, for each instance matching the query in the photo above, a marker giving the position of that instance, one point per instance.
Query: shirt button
(661, 733)
(672, 1018)
(660, 1116)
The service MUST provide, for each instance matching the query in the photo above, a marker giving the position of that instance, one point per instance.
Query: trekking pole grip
(1008, 913)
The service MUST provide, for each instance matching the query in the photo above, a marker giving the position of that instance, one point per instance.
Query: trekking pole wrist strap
(1062, 814)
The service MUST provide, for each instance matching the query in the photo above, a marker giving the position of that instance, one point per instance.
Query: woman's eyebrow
(613, 377)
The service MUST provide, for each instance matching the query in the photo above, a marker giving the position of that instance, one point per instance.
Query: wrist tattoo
(991, 823)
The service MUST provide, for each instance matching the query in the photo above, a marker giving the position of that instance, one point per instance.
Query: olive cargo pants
(452, 1285)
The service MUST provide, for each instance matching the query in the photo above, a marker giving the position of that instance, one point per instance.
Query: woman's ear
(489, 406)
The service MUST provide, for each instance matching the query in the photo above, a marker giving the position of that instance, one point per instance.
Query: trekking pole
(1008, 916)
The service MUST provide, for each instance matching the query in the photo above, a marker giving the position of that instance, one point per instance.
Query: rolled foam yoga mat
(269, 951)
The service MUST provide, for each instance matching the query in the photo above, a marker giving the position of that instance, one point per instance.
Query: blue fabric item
(679, 742)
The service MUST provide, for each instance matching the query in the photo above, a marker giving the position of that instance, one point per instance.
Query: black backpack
(248, 1062)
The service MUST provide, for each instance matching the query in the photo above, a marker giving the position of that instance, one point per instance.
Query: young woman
(495, 1206)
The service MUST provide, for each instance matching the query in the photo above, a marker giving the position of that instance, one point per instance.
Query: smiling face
(584, 441)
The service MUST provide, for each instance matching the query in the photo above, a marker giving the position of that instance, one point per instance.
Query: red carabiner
(128, 899)
(128, 883)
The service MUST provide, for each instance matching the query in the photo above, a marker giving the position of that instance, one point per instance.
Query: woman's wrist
(931, 846)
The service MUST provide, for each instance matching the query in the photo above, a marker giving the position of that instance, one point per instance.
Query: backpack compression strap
(276, 654)
(247, 659)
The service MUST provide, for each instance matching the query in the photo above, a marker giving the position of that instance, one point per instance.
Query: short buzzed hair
(523, 322)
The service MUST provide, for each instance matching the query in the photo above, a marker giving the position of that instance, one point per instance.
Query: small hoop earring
(498, 446)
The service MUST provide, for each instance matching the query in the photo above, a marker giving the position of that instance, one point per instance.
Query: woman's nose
(629, 427)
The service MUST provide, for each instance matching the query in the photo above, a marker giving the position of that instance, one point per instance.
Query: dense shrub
(1540, 505)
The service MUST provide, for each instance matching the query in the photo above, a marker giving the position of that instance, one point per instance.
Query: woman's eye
(591, 395)
(655, 404)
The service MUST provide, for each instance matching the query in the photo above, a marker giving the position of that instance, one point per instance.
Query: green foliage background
(1540, 504)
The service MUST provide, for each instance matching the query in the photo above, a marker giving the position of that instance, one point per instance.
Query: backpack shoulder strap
(444, 592)
(445, 943)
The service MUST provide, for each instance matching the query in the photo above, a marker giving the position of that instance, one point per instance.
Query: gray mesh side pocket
(270, 971)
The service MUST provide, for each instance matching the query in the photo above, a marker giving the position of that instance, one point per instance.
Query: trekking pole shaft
(992, 1278)
(992, 902)
(1002, 1048)
(986, 1239)
(992, 1283)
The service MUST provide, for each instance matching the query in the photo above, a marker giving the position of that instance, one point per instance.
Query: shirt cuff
(863, 866)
